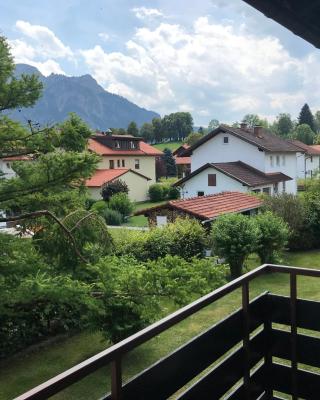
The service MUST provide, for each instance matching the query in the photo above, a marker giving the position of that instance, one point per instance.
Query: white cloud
(212, 70)
(144, 12)
(48, 67)
(46, 42)
(104, 36)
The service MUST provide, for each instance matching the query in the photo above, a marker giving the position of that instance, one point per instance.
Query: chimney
(257, 131)
(243, 126)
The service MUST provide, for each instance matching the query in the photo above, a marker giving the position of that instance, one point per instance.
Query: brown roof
(311, 150)
(210, 207)
(180, 150)
(300, 17)
(265, 140)
(102, 176)
(241, 172)
(183, 160)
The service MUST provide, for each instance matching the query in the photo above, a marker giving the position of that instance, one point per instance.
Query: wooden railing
(245, 372)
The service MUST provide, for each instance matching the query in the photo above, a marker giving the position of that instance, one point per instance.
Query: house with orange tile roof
(127, 153)
(204, 208)
(137, 183)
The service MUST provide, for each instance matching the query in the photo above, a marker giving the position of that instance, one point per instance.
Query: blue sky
(215, 58)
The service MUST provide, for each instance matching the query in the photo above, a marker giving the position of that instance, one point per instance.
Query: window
(284, 186)
(118, 164)
(276, 188)
(212, 180)
(117, 144)
(111, 164)
(271, 161)
(283, 160)
(225, 139)
(200, 194)
(278, 161)
(266, 190)
(123, 163)
(137, 163)
(256, 190)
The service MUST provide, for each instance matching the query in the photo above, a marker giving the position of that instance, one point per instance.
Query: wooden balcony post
(293, 310)
(116, 379)
(246, 337)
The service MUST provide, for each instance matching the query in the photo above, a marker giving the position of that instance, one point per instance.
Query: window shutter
(212, 180)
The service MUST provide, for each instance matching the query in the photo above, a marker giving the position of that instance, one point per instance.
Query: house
(183, 163)
(213, 178)
(205, 208)
(6, 165)
(309, 164)
(137, 183)
(269, 162)
(125, 151)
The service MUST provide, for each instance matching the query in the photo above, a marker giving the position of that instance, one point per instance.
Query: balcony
(256, 352)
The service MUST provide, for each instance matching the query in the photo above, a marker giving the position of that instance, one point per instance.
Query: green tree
(317, 121)
(112, 188)
(121, 202)
(283, 124)
(74, 134)
(304, 133)
(147, 132)
(14, 92)
(167, 157)
(306, 117)
(254, 120)
(158, 129)
(177, 126)
(192, 138)
(273, 236)
(213, 124)
(132, 129)
(234, 237)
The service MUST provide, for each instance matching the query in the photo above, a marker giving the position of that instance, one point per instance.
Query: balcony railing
(248, 371)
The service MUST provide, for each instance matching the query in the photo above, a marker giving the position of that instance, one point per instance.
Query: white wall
(214, 150)
(200, 183)
(288, 165)
(312, 165)
(5, 167)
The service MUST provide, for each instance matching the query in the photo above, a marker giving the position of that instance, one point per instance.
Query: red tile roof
(310, 150)
(210, 207)
(241, 172)
(145, 150)
(183, 160)
(102, 176)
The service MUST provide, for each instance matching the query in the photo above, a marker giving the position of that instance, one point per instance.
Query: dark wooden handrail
(115, 353)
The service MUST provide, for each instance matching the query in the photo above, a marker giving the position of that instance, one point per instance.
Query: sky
(218, 59)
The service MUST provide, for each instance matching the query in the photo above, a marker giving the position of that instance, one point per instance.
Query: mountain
(82, 95)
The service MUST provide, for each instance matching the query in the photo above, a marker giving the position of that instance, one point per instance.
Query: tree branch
(47, 213)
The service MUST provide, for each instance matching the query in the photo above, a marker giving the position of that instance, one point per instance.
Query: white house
(241, 159)
(309, 162)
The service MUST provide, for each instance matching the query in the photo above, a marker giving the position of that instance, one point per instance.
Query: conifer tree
(306, 117)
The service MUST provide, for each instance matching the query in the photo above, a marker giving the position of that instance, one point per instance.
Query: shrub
(173, 193)
(234, 236)
(273, 236)
(120, 202)
(112, 188)
(130, 242)
(99, 207)
(112, 217)
(184, 237)
(156, 192)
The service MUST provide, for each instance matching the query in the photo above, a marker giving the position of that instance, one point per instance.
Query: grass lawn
(168, 145)
(20, 374)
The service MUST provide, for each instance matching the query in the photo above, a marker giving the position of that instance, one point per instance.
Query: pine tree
(306, 117)
(169, 162)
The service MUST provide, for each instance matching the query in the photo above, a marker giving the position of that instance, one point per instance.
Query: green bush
(99, 207)
(130, 242)
(156, 192)
(185, 238)
(234, 236)
(273, 236)
(120, 202)
(112, 217)
(173, 193)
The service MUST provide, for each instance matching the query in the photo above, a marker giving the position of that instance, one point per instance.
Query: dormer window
(117, 144)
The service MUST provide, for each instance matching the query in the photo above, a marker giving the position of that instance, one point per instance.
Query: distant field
(168, 145)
